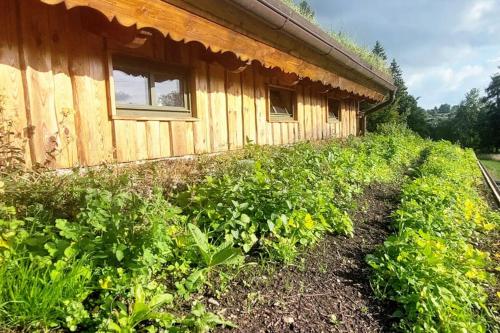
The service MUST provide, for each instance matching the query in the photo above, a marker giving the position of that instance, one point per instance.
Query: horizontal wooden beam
(182, 25)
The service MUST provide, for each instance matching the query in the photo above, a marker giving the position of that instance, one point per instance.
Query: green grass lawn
(493, 167)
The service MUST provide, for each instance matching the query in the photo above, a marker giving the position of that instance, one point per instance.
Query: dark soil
(329, 291)
(491, 243)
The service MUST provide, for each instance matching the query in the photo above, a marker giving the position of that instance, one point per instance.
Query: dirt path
(328, 292)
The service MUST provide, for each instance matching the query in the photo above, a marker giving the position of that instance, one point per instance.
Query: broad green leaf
(200, 238)
(224, 255)
(159, 300)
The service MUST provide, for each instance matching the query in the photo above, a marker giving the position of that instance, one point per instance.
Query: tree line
(474, 122)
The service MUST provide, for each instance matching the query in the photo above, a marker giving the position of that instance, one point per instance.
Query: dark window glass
(334, 109)
(131, 87)
(281, 102)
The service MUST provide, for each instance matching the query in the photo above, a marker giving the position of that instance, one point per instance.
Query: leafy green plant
(429, 267)
(127, 318)
(225, 254)
(201, 321)
(266, 202)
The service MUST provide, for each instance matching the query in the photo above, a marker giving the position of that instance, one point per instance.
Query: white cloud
(473, 15)
(494, 60)
(448, 78)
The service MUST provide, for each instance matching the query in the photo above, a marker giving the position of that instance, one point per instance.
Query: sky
(444, 47)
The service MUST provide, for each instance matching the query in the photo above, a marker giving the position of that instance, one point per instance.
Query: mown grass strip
(430, 267)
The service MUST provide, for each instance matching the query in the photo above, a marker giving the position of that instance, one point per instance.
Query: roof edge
(281, 17)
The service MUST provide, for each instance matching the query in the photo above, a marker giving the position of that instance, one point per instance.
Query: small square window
(281, 103)
(143, 88)
(333, 109)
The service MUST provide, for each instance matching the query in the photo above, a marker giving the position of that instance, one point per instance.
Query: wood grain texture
(260, 95)
(39, 83)
(11, 77)
(182, 138)
(218, 107)
(234, 110)
(249, 122)
(201, 103)
(67, 153)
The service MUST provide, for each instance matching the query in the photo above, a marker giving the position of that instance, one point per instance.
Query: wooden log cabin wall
(57, 86)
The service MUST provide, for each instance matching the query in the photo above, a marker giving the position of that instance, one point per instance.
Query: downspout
(377, 107)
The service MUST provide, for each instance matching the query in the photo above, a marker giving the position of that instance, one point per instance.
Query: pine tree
(379, 51)
(397, 75)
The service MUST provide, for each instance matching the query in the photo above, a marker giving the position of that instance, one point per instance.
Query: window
(146, 89)
(281, 103)
(333, 109)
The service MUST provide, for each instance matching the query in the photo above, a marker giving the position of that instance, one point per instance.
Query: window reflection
(131, 87)
(169, 91)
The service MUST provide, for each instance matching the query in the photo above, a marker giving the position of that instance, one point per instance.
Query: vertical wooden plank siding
(234, 110)
(248, 91)
(56, 86)
(153, 139)
(63, 92)
(263, 136)
(299, 135)
(182, 138)
(218, 107)
(201, 128)
(38, 81)
(11, 78)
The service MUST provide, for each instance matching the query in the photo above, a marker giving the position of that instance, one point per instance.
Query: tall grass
(36, 294)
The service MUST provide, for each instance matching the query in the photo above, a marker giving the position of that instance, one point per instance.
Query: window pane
(131, 87)
(169, 90)
(281, 102)
(334, 108)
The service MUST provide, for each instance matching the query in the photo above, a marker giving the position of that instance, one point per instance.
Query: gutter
(283, 18)
(376, 107)
(363, 114)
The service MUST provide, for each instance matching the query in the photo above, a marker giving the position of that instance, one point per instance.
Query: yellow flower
(498, 294)
(471, 274)
(106, 283)
(440, 246)
(2, 186)
(4, 244)
(308, 222)
(172, 230)
(489, 226)
(468, 209)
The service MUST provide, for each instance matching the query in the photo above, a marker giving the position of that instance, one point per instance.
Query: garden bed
(181, 247)
(328, 290)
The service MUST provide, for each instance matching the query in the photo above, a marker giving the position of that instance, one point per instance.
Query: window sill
(156, 118)
(333, 120)
(282, 120)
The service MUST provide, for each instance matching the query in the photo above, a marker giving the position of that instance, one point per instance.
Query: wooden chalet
(93, 81)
